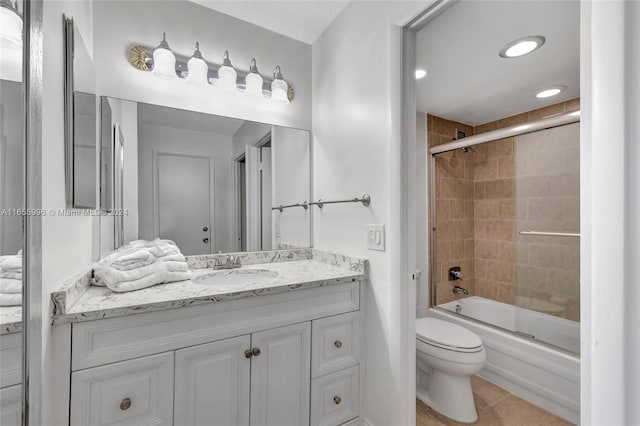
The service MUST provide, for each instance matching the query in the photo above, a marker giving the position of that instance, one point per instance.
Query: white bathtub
(545, 376)
(545, 328)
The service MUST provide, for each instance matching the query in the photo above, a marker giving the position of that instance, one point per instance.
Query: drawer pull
(248, 354)
(337, 400)
(256, 351)
(125, 404)
(337, 344)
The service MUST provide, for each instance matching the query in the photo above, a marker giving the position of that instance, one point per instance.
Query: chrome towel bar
(305, 205)
(365, 200)
(550, 234)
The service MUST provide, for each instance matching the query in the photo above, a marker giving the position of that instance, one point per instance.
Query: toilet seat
(448, 336)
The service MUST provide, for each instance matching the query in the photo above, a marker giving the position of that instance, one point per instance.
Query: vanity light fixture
(10, 25)
(227, 75)
(222, 78)
(279, 87)
(550, 91)
(254, 80)
(522, 46)
(164, 61)
(197, 68)
(420, 73)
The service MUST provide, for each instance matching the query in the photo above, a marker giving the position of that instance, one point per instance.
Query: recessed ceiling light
(521, 46)
(420, 74)
(550, 91)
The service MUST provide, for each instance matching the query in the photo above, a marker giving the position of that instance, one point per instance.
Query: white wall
(356, 150)
(119, 25)
(152, 137)
(67, 245)
(610, 200)
(291, 174)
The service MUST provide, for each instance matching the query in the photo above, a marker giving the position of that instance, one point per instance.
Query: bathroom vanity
(11, 365)
(275, 342)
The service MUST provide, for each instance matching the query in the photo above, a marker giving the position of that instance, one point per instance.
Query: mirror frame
(67, 23)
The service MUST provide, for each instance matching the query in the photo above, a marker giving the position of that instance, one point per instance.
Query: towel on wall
(7, 299)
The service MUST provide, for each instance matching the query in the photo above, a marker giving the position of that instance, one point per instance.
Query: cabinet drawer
(135, 392)
(336, 343)
(10, 359)
(334, 397)
(11, 406)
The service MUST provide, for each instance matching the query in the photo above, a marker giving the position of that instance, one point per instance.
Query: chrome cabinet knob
(248, 354)
(337, 400)
(256, 351)
(205, 240)
(337, 344)
(125, 404)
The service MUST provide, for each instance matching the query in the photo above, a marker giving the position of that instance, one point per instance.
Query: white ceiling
(302, 20)
(187, 120)
(468, 82)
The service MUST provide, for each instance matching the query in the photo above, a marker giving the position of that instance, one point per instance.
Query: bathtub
(547, 376)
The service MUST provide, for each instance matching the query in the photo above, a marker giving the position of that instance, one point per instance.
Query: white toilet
(447, 356)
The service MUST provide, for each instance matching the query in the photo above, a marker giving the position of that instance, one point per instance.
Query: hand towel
(11, 275)
(10, 299)
(111, 276)
(11, 263)
(173, 266)
(11, 286)
(174, 276)
(157, 277)
(133, 260)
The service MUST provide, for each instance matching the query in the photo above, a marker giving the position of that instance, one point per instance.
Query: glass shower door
(547, 221)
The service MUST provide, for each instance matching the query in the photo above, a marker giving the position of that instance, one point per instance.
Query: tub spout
(459, 290)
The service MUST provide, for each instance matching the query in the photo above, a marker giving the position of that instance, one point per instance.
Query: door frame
(156, 195)
(237, 204)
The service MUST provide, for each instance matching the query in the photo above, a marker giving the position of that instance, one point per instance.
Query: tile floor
(496, 407)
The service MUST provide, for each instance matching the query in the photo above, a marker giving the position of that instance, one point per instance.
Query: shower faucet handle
(455, 273)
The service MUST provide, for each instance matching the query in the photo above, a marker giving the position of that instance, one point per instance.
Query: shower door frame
(486, 137)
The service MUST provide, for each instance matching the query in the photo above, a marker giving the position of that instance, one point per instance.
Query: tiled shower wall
(497, 209)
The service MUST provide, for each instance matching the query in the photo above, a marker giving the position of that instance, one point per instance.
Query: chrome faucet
(232, 262)
(459, 290)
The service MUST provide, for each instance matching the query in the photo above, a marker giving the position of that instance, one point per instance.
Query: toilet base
(450, 396)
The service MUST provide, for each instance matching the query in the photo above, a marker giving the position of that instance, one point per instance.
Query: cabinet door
(135, 392)
(212, 384)
(280, 376)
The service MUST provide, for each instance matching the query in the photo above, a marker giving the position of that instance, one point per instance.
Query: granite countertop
(10, 319)
(76, 301)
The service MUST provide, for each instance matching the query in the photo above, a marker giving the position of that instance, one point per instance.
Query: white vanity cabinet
(274, 360)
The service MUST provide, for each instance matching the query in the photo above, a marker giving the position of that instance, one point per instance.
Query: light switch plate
(375, 237)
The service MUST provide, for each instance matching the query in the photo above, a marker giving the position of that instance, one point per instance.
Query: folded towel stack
(11, 280)
(141, 264)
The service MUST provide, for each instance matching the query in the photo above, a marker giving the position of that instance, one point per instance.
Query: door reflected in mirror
(211, 184)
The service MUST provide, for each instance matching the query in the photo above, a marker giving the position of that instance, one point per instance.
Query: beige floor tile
(515, 411)
(486, 393)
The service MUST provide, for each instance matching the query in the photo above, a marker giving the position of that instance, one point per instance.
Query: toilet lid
(446, 334)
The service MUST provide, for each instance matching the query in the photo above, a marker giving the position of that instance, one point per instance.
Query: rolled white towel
(11, 275)
(105, 274)
(134, 260)
(11, 286)
(7, 299)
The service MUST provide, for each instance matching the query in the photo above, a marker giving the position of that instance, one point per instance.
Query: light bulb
(279, 87)
(253, 80)
(164, 61)
(10, 26)
(197, 68)
(227, 75)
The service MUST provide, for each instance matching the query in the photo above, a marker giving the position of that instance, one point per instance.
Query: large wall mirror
(80, 120)
(12, 202)
(210, 183)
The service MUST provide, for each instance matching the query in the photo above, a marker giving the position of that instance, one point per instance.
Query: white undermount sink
(234, 276)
